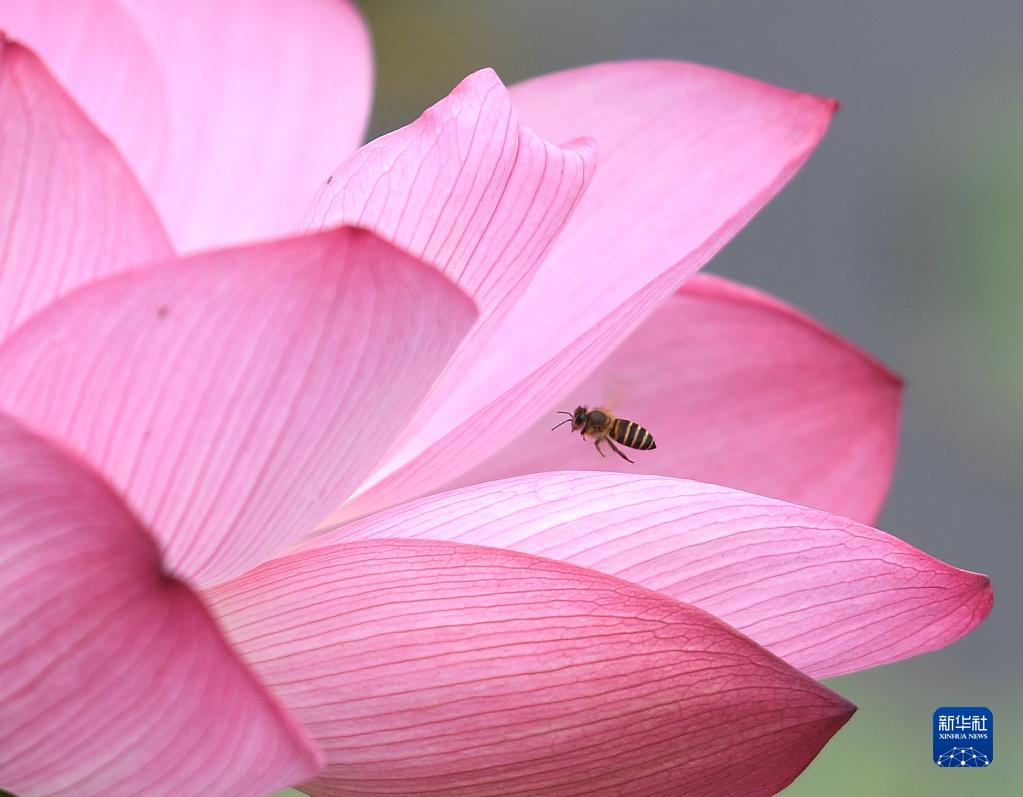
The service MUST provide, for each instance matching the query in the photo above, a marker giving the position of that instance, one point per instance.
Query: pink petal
(828, 595)
(113, 678)
(231, 112)
(70, 209)
(235, 397)
(469, 189)
(464, 187)
(737, 389)
(432, 668)
(687, 155)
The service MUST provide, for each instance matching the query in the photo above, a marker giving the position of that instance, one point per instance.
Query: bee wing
(616, 390)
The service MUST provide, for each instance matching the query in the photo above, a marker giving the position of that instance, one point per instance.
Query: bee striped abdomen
(632, 435)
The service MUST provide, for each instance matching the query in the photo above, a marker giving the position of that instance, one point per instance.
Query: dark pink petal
(737, 389)
(828, 595)
(687, 155)
(114, 680)
(235, 397)
(432, 668)
(70, 209)
(231, 112)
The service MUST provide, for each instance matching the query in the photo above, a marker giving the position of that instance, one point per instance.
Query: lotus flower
(235, 379)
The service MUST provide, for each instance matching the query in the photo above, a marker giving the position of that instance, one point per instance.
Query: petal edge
(114, 679)
(425, 667)
(827, 594)
(253, 387)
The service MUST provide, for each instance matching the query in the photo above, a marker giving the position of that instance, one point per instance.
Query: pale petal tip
(485, 77)
(480, 83)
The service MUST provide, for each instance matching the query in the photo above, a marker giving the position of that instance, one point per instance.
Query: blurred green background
(904, 233)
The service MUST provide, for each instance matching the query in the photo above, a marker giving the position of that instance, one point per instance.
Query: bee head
(577, 418)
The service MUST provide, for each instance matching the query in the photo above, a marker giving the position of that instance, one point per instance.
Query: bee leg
(618, 452)
(596, 445)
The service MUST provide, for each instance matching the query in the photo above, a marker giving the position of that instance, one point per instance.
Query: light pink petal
(97, 53)
(737, 389)
(70, 209)
(425, 667)
(828, 595)
(230, 112)
(467, 188)
(114, 680)
(235, 397)
(687, 155)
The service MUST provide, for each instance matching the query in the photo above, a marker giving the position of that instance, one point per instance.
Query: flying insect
(602, 426)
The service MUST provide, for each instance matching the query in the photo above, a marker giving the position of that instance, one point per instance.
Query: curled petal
(827, 594)
(230, 112)
(737, 389)
(687, 155)
(467, 188)
(70, 209)
(114, 680)
(425, 667)
(236, 396)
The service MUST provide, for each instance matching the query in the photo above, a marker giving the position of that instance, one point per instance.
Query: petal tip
(983, 597)
(838, 709)
(476, 84)
(846, 709)
(585, 685)
(483, 78)
(896, 380)
(714, 286)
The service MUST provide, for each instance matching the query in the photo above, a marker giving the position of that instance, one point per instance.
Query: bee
(602, 426)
